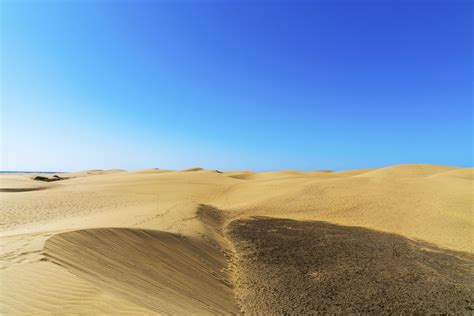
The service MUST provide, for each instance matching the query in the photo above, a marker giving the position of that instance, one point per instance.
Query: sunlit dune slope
(165, 272)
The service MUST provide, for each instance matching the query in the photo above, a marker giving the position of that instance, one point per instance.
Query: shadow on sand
(298, 267)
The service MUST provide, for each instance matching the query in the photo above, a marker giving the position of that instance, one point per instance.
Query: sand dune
(403, 171)
(193, 169)
(467, 173)
(165, 272)
(176, 242)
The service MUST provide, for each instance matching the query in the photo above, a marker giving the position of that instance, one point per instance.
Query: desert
(386, 240)
(257, 157)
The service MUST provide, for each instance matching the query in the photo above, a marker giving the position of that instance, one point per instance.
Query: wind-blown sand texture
(389, 240)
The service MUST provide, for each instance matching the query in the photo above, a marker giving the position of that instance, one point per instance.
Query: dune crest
(408, 170)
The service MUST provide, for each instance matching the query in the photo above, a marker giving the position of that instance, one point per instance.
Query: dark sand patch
(49, 179)
(12, 190)
(295, 267)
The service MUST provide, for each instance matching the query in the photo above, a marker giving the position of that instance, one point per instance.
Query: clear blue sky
(235, 85)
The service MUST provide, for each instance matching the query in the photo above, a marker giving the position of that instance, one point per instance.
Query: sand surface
(394, 239)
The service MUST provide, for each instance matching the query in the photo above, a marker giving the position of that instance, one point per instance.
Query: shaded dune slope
(299, 267)
(165, 272)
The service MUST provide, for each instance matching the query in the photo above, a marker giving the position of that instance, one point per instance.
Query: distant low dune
(193, 169)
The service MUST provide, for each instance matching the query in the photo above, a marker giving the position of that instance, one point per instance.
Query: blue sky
(256, 85)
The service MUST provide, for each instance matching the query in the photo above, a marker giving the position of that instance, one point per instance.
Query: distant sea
(31, 171)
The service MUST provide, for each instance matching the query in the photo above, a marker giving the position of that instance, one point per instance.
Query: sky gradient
(235, 85)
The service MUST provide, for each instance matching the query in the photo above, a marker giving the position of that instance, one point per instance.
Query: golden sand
(208, 242)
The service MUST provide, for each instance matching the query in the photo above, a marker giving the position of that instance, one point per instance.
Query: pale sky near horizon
(258, 85)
